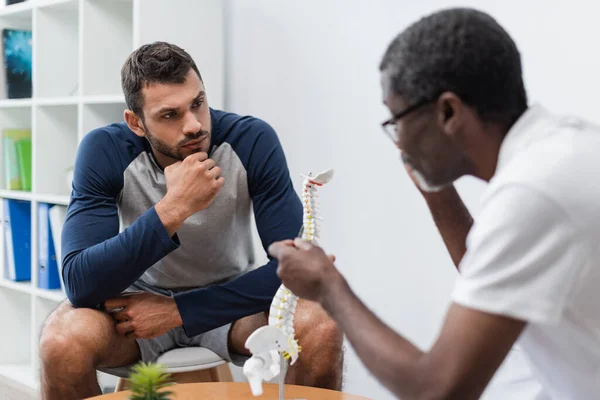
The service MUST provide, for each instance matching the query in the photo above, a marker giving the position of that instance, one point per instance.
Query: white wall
(309, 68)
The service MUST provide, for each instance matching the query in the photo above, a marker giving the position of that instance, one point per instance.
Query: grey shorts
(150, 349)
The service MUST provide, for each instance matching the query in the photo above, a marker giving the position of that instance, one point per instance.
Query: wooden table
(239, 391)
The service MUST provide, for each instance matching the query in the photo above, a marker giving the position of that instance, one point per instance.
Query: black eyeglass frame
(389, 125)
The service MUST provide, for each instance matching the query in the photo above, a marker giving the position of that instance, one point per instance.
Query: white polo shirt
(534, 251)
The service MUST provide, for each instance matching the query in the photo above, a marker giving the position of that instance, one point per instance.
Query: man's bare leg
(321, 360)
(74, 342)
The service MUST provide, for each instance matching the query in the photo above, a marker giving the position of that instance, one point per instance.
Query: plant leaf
(145, 381)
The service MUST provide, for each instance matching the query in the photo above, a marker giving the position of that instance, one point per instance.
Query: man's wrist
(441, 197)
(334, 285)
(170, 214)
(177, 321)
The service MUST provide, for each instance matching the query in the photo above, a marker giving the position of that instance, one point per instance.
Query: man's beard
(422, 182)
(424, 185)
(175, 152)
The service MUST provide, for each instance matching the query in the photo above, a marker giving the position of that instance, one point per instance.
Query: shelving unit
(79, 47)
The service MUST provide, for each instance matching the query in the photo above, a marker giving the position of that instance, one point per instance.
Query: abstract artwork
(17, 61)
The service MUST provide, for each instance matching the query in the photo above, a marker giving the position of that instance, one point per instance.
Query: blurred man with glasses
(530, 264)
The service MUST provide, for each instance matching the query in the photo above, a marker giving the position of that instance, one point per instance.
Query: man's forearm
(104, 270)
(391, 358)
(249, 294)
(452, 219)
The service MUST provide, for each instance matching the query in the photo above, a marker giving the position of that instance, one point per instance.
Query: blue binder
(17, 239)
(48, 268)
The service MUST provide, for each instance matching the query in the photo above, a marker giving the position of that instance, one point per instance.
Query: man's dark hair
(463, 51)
(157, 62)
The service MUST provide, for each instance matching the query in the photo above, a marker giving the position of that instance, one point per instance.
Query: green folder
(15, 163)
(11, 167)
(23, 147)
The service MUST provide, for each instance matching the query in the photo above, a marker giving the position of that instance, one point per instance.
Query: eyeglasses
(390, 126)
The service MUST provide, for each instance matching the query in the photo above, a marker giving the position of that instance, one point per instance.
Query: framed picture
(17, 63)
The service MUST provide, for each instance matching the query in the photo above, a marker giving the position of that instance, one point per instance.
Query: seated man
(530, 270)
(181, 179)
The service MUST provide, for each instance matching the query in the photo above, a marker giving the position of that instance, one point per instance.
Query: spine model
(278, 338)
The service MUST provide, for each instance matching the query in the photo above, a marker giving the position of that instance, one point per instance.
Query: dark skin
(472, 344)
(451, 217)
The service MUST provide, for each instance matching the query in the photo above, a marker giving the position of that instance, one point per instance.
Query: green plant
(146, 380)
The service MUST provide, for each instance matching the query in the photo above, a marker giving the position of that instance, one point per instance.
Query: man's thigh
(242, 329)
(93, 330)
(229, 341)
(148, 351)
(226, 341)
(308, 314)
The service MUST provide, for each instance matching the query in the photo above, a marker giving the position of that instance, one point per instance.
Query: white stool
(190, 365)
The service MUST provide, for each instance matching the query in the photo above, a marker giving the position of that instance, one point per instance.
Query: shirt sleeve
(278, 214)
(522, 257)
(99, 262)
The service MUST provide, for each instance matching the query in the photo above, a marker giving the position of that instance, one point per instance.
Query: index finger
(278, 249)
(200, 156)
(116, 302)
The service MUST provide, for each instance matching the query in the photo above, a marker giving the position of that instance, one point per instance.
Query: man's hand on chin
(143, 315)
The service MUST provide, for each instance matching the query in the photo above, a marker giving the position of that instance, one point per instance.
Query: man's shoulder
(231, 127)
(115, 134)
(114, 140)
(105, 153)
(255, 144)
(552, 157)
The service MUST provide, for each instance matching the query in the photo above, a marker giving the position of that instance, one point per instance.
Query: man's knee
(324, 340)
(314, 326)
(322, 356)
(73, 337)
(329, 332)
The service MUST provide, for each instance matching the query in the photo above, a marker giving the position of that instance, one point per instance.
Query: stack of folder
(17, 242)
(17, 159)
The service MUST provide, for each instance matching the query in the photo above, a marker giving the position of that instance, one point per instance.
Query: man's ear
(135, 123)
(450, 113)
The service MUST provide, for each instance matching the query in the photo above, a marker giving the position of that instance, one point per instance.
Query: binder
(48, 268)
(17, 158)
(23, 149)
(11, 165)
(17, 239)
(57, 215)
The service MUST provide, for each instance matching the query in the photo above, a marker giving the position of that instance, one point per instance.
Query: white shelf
(52, 199)
(61, 101)
(93, 115)
(57, 4)
(56, 130)
(21, 374)
(56, 295)
(16, 195)
(98, 41)
(79, 48)
(55, 54)
(23, 287)
(17, 10)
(56, 101)
(13, 103)
(42, 198)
